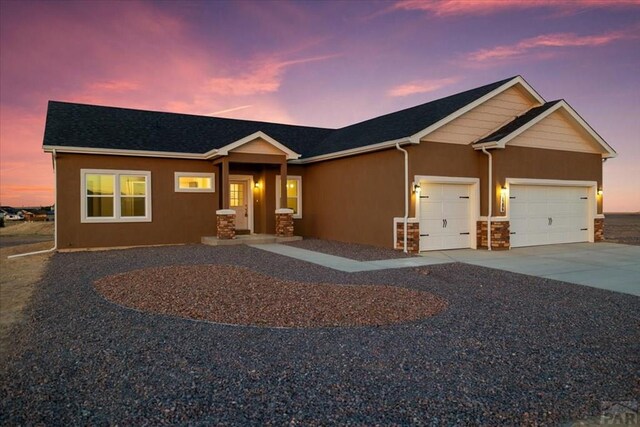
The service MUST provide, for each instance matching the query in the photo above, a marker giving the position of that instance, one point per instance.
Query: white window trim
(178, 175)
(298, 178)
(117, 218)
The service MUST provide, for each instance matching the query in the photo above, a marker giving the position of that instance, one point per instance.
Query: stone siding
(413, 237)
(500, 237)
(226, 226)
(284, 225)
(598, 228)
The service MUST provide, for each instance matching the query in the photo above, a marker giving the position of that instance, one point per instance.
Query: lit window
(294, 194)
(195, 182)
(236, 195)
(115, 196)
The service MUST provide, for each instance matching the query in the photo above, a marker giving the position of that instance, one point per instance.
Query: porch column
(283, 184)
(224, 180)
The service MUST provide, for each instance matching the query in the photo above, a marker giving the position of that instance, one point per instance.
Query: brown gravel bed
(348, 250)
(237, 295)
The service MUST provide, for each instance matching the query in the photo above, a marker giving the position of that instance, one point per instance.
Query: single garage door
(545, 215)
(444, 216)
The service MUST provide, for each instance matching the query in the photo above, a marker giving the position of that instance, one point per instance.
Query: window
(236, 195)
(115, 196)
(294, 194)
(195, 182)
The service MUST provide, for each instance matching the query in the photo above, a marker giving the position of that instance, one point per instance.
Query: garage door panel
(430, 209)
(542, 215)
(444, 215)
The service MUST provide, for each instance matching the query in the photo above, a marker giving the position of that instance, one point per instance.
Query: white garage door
(444, 216)
(544, 215)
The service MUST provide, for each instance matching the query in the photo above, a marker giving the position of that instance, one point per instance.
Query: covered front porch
(254, 193)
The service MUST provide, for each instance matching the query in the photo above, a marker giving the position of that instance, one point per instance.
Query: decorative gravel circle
(236, 295)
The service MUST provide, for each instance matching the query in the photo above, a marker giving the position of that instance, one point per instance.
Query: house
(34, 214)
(498, 157)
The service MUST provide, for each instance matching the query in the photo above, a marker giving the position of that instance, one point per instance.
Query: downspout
(55, 217)
(489, 197)
(406, 193)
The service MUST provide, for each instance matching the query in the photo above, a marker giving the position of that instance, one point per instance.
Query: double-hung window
(294, 194)
(115, 196)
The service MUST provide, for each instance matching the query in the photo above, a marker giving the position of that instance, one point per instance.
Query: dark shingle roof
(403, 123)
(518, 122)
(79, 125)
(90, 126)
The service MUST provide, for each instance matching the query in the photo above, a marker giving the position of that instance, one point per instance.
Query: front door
(238, 201)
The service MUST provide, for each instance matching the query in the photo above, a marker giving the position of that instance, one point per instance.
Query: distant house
(496, 166)
(35, 215)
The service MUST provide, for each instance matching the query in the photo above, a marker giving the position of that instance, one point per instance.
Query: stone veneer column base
(413, 237)
(598, 230)
(226, 224)
(284, 222)
(500, 237)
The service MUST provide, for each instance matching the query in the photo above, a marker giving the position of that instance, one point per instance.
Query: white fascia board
(474, 104)
(358, 150)
(227, 148)
(120, 152)
(490, 144)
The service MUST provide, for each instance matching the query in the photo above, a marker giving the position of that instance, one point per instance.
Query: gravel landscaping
(348, 250)
(235, 295)
(509, 349)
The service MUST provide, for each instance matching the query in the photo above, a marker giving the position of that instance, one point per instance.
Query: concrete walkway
(601, 265)
(346, 264)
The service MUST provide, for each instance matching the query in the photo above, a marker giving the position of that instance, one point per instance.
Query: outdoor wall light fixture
(416, 188)
(256, 185)
(503, 199)
(600, 191)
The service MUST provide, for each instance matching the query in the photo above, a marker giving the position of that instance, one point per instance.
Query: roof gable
(554, 126)
(501, 108)
(258, 143)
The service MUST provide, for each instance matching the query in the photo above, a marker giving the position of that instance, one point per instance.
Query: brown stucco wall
(523, 162)
(176, 217)
(352, 199)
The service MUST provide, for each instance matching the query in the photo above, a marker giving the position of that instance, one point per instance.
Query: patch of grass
(22, 228)
(17, 282)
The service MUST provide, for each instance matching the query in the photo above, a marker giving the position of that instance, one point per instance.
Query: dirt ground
(18, 278)
(622, 228)
(16, 233)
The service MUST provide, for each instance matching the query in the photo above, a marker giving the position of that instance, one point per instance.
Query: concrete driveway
(601, 265)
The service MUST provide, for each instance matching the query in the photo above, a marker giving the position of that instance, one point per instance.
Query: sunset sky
(318, 63)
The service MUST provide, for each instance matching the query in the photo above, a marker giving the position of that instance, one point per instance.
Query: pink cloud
(265, 77)
(114, 86)
(549, 41)
(421, 86)
(469, 7)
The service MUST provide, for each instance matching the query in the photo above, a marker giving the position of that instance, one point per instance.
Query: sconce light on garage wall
(503, 199)
(599, 191)
(256, 185)
(416, 188)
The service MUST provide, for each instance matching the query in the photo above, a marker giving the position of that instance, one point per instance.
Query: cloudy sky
(319, 63)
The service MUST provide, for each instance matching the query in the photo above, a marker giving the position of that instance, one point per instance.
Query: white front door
(544, 215)
(238, 201)
(445, 214)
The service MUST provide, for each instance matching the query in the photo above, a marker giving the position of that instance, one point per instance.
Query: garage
(445, 216)
(544, 215)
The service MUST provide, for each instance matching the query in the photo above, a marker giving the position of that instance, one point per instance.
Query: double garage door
(539, 215)
(545, 215)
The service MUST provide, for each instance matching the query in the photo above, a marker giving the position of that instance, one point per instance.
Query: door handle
(246, 211)
(443, 223)
(550, 221)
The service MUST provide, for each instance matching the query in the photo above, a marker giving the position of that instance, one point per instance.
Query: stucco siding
(176, 217)
(486, 117)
